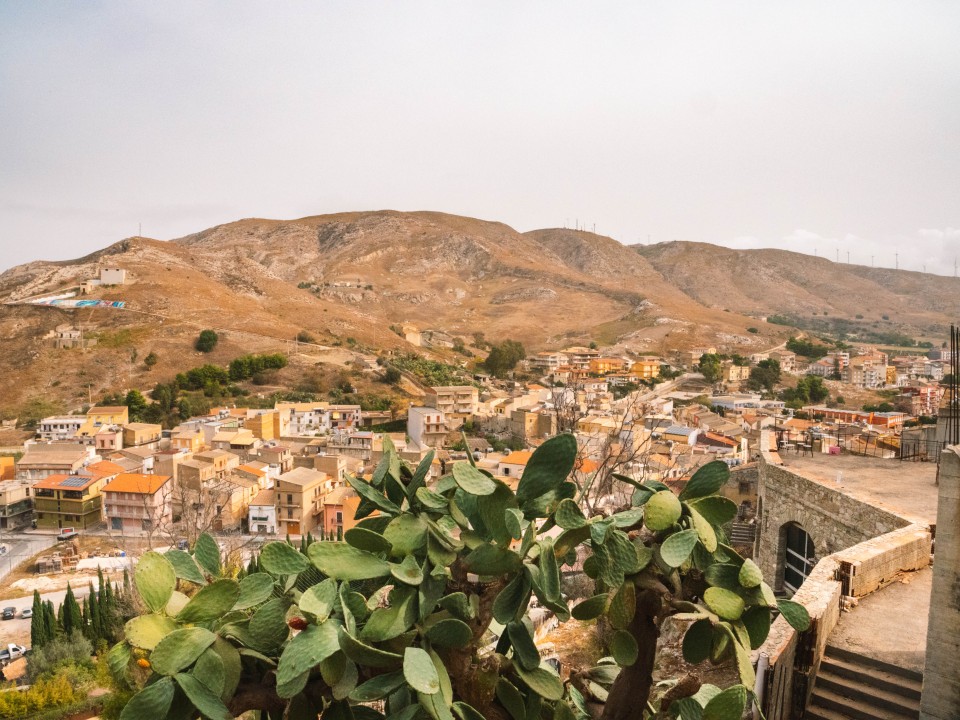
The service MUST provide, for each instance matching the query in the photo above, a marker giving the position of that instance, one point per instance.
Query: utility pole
(848, 257)
(838, 256)
(896, 261)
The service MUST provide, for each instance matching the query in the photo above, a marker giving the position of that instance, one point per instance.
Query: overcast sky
(814, 126)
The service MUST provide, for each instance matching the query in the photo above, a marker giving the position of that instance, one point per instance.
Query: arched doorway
(798, 557)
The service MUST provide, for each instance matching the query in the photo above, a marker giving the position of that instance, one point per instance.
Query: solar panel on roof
(75, 482)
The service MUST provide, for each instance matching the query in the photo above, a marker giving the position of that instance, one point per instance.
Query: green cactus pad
(372, 495)
(524, 649)
(155, 579)
(677, 548)
(211, 602)
(757, 622)
(307, 649)
(389, 622)
(707, 480)
(282, 559)
(549, 571)
(623, 606)
(705, 531)
(490, 559)
(542, 680)
(458, 605)
(177, 602)
(366, 654)
(795, 614)
(377, 687)
(420, 672)
(209, 705)
(591, 608)
(369, 540)
(750, 575)
(726, 604)
(268, 626)
(344, 562)
(254, 589)
(729, 703)
(408, 571)
(697, 641)
(623, 647)
(319, 600)
(662, 511)
(210, 671)
(207, 554)
(431, 500)
(179, 649)
(715, 509)
(449, 632)
(725, 575)
(406, 534)
(151, 702)
(230, 658)
(146, 631)
(511, 699)
(547, 468)
(185, 566)
(118, 658)
(568, 515)
(472, 480)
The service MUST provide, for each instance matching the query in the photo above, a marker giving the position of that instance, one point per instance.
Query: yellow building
(98, 417)
(69, 500)
(298, 500)
(604, 365)
(263, 425)
(646, 369)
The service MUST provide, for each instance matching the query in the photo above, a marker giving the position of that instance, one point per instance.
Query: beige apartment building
(134, 502)
(298, 494)
(456, 401)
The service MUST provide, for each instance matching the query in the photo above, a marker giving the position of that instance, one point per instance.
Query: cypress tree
(85, 617)
(72, 620)
(49, 621)
(38, 628)
(60, 626)
(96, 626)
(126, 583)
(339, 532)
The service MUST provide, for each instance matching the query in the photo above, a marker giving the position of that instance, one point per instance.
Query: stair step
(858, 659)
(855, 709)
(908, 688)
(822, 713)
(867, 694)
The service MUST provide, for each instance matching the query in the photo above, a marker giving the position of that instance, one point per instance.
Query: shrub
(150, 360)
(74, 650)
(753, 330)
(206, 341)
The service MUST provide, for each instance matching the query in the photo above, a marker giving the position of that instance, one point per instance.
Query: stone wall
(941, 677)
(794, 658)
(833, 520)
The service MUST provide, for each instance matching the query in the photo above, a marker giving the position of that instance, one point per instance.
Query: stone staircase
(742, 533)
(850, 686)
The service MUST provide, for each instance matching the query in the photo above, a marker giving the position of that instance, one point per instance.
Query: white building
(426, 427)
(60, 427)
(262, 514)
(113, 276)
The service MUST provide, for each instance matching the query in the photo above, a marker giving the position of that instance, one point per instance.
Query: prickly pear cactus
(422, 609)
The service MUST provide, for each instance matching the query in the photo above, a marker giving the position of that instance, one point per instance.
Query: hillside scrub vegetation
(206, 341)
(422, 608)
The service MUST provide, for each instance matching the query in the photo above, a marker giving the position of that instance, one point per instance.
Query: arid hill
(350, 280)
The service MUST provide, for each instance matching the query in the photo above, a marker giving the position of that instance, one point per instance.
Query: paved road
(21, 547)
(18, 630)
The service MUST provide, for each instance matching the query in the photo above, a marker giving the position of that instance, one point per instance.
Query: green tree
(95, 620)
(136, 404)
(51, 627)
(72, 617)
(710, 367)
(402, 607)
(206, 341)
(504, 357)
(391, 376)
(151, 359)
(38, 626)
(765, 376)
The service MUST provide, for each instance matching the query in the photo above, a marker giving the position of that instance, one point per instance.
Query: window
(289, 499)
(289, 513)
(339, 518)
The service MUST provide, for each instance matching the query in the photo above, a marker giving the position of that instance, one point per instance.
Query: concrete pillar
(941, 676)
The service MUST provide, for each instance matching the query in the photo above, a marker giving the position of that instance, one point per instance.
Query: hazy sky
(810, 126)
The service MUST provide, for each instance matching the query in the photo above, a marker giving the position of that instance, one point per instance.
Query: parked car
(67, 533)
(12, 652)
(9, 613)
(26, 613)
